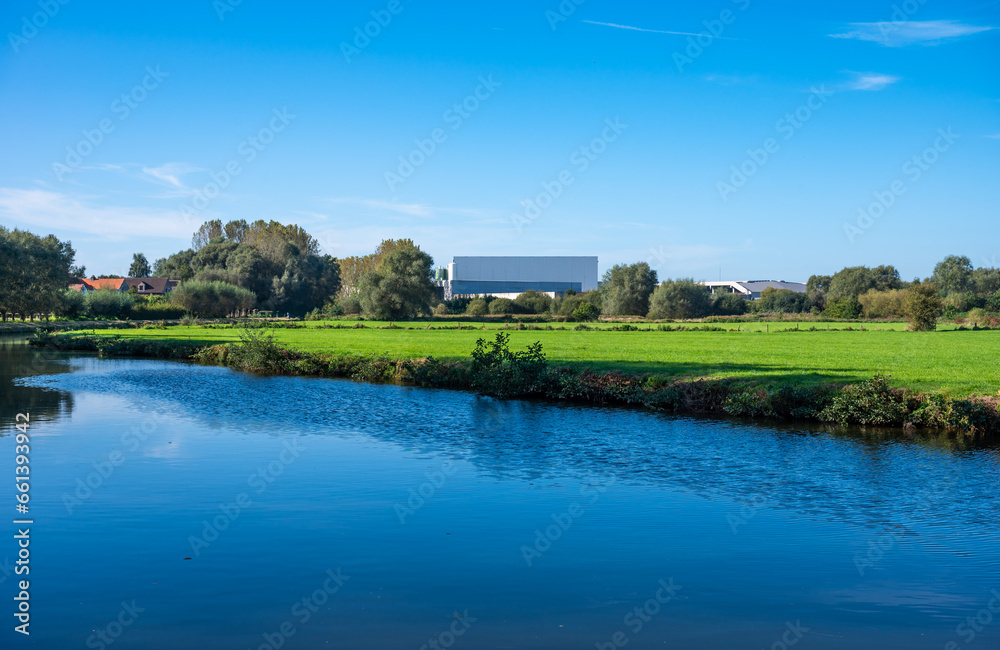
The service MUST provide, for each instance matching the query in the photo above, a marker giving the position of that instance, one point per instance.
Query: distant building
(143, 286)
(751, 289)
(151, 286)
(84, 285)
(508, 277)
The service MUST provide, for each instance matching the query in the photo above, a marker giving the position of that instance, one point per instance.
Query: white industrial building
(508, 277)
(751, 289)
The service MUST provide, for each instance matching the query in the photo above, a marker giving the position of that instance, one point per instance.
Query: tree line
(238, 266)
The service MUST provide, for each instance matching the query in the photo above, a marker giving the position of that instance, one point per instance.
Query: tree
(816, 288)
(352, 268)
(236, 231)
(784, 301)
(856, 280)
(33, 272)
(626, 289)
(251, 270)
(307, 281)
(922, 306)
(213, 255)
(986, 280)
(175, 267)
(729, 304)
(140, 267)
(400, 287)
(993, 302)
(680, 299)
(206, 233)
(953, 274)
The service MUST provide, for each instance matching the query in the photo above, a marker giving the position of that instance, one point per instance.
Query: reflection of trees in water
(18, 360)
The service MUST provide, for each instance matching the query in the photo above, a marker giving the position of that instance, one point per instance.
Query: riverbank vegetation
(495, 369)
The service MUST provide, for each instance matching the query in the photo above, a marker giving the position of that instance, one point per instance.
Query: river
(182, 506)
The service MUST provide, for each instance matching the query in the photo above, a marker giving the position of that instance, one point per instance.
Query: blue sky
(628, 123)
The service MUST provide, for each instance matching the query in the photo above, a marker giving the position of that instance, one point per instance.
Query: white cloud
(43, 209)
(170, 173)
(411, 209)
(911, 32)
(871, 81)
(653, 31)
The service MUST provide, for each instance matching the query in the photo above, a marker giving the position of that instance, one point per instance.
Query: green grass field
(953, 362)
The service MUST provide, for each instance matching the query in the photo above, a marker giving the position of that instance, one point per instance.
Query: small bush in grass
(257, 351)
(922, 306)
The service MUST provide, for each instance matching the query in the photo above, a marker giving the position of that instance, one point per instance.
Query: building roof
(153, 285)
(755, 287)
(105, 283)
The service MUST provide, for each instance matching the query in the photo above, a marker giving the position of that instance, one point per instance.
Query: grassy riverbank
(850, 377)
(949, 362)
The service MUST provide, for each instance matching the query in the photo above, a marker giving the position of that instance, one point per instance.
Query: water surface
(406, 515)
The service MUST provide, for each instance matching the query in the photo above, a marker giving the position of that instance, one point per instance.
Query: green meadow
(957, 363)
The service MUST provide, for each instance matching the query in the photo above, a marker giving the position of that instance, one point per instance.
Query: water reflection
(18, 360)
(857, 479)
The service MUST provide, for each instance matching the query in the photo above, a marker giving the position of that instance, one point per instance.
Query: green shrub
(257, 351)
(957, 303)
(351, 305)
(993, 302)
(680, 299)
(477, 307)
(158, 310)
(729, 304)
(211, 299)
(109, 304)
(534, 302)
(72, 304)
(847, 307)
(784, 301)
(497, 371)
(869, 402)
(502, 306)
(883, 304)
(585, 312)
(922, 306)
